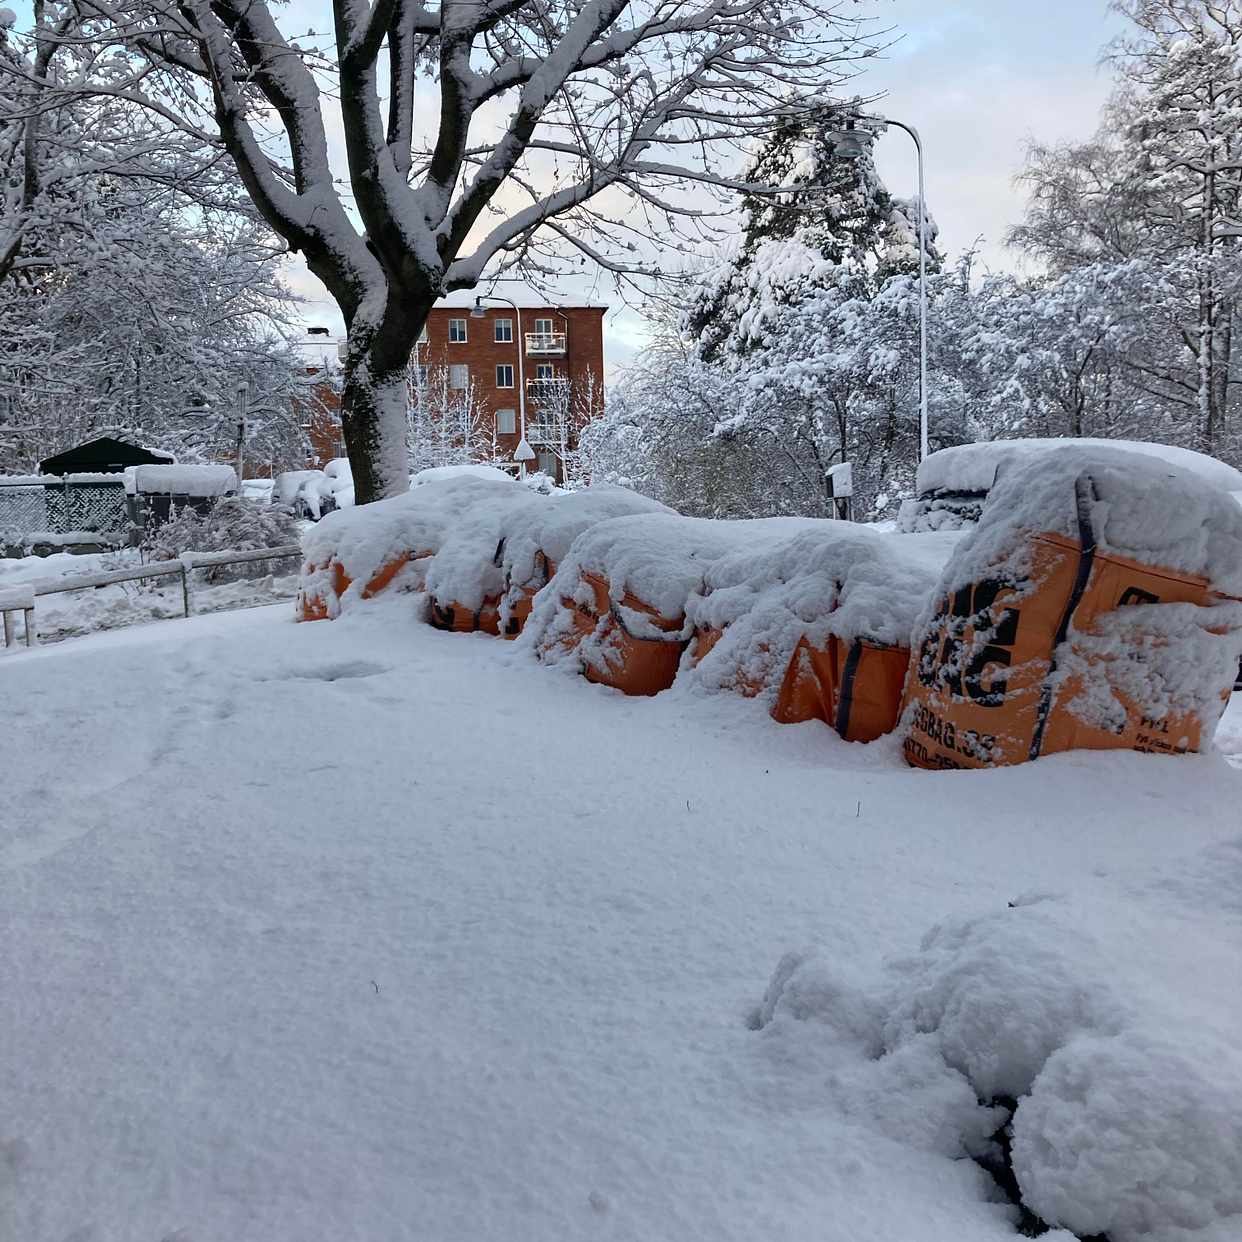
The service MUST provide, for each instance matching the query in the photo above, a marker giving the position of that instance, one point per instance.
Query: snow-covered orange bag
(1092, 607)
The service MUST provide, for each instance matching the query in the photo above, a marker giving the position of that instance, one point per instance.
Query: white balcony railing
(546, 344)
(549, 390)
(545, 431)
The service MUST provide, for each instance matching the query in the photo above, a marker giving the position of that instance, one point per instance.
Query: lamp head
(850, 143)
(478, 310)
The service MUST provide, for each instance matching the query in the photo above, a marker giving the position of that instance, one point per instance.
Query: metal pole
(918, 147)
(243, 401)
(185, 590)
(521, 349)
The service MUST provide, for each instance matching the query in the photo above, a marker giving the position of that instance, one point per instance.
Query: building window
(506, 422)
(547, 463)
(504, 331)
(422, 375)
(457, 331)
(545, 371)
(459, 375)
(504, 376)
(543, 327)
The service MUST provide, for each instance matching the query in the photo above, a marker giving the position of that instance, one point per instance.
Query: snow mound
(1138, 508)
(973, 468)
(368, 538)
(1000, 994)
(467, 568)
(807, 987)
(661, 557)
(551, 529)
(835, 578)
(437, 474)
(1134, 1135)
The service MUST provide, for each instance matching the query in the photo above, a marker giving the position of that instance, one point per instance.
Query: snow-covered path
(364, 931)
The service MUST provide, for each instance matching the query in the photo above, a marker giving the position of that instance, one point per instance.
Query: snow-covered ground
(360, 930)
(74, 613)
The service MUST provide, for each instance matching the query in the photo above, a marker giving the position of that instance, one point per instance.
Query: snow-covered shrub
(233, 524)
(1000, 994)
(1135, 1134)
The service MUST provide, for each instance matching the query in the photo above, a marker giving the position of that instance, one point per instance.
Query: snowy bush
(1132, 1135)
(234, 524)
(1000, 994)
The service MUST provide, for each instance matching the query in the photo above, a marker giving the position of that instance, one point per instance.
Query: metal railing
(545, 343)
(182, 567)
(554, 389)
(545, 431)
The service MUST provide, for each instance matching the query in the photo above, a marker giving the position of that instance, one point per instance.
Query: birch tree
(495, 135)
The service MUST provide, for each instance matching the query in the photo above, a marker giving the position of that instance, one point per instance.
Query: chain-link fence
(62, 506)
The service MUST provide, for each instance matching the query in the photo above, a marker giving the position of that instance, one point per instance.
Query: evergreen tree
(832, 224)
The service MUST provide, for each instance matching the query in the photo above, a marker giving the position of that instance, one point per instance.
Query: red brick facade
(562, 363)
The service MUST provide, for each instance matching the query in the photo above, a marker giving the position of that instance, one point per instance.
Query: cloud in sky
(979, 79)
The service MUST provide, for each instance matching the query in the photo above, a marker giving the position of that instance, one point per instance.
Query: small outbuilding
(103, 455)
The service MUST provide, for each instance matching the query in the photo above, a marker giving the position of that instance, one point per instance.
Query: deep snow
(360, 930)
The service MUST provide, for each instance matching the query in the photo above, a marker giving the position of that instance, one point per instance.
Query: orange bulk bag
(855, 687)
(1055, 639)
(818, 622)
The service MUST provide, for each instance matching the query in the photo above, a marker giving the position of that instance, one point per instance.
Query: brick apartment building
(543, 363)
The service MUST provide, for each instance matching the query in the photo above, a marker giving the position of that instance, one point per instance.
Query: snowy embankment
(366, 931)
(72, 613)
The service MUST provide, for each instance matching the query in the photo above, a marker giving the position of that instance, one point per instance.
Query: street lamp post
(523, 453)
(850, 143)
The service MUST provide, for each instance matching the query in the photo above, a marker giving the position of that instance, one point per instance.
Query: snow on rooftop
(974, 467)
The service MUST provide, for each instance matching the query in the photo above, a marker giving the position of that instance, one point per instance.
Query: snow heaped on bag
(356, 553)
(976, 467)
(616, 609)
(1095, 605)
(833, 580)
(538, 539)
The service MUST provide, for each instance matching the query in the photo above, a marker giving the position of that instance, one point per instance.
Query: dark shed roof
(103, 455)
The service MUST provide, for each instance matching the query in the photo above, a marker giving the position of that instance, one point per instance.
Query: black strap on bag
(1084, 496)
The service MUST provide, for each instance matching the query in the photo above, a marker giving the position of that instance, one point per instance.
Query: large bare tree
(506, 135)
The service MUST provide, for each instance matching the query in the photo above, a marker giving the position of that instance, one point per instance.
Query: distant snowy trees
(798, 353)
(136, 293)
(1142, 225)
(802, 349)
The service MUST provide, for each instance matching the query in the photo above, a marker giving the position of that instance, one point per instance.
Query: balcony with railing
(546, 431)
(552, 391)
(546, 344)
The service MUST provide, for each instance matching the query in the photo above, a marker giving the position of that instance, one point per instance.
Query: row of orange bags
(1094, 606)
